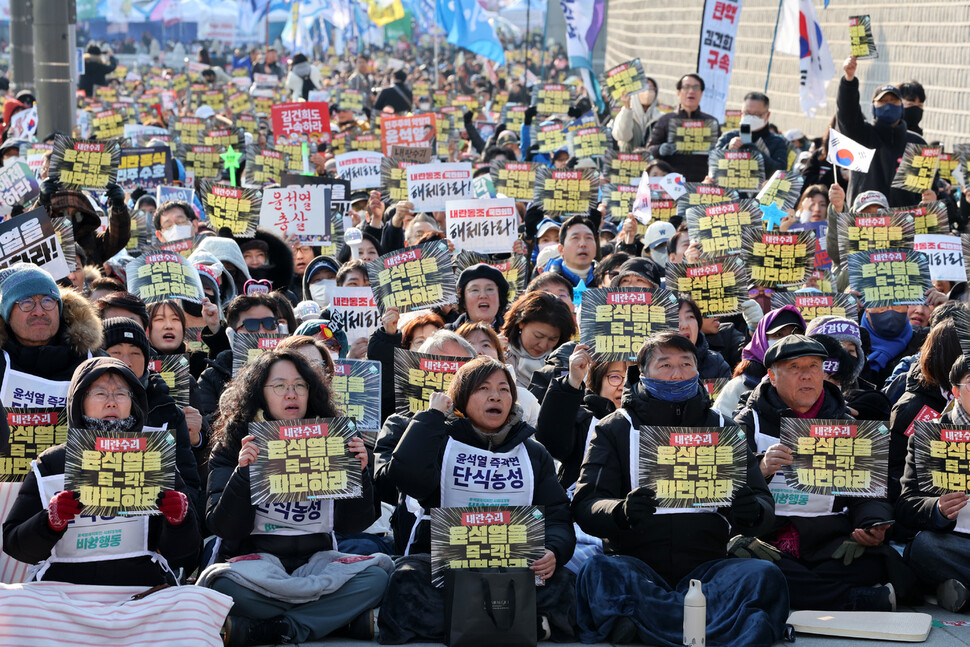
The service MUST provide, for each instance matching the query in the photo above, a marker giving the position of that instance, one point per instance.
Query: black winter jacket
(915, 507)
(162, 410)
(710, 364)
(919, 400)
(213, 382)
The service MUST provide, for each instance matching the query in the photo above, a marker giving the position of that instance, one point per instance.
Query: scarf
(885, 350)
(525, 364)
(302, 70)
(97, 424)
(496, 439)
(571, 276)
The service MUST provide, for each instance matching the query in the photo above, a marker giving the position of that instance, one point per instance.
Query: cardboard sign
(304, 460)
(550, 138)
(619, 200)
(917, 169)
(717, 287)
(485, 537)
(300, 210)
(516, 180)
(301, 122)
(232, 207)
(225, 137)
(119, 473)
(817, 304)
(174, 370)
(31, 238)
(204, 161)
(705, 195)
(889, 277)
(145, 167)
(783, 189)
(861, 42)
(356, 389)
(515, 269)
(692, 136)
(692, 467)
(412, 154)
(837, 457)
(860, 232)
(719, 227)
(944, 255)
(418, 375)
(949, 162)
(31, 432)
(626, 79)
(265, 166)
(942, 459)
(613, 322)
(513, 116)
(929, 218)
(351, 100)
(107, 124)
(590, 142)
(413, 278)
(79, 164)
(662, 207)
(564, 193)
(778, 259)
(741, 170)
(732, 120)
(190, 130)
(484, 226)
(247, 346)
(431, 186)
(552, 99)
(17, 185)
(361, 168)
(159, 275)
(354, 311)
(625, 168)
(417, 131)
(64, 233)
(394, 179)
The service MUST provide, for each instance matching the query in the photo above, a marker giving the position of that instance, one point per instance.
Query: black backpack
(308, 87)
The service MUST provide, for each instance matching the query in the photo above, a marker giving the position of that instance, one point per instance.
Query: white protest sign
(944, 254)
(361, 168)
(299, 210)
(673, 184)
(487, 226)
(354, 311)
(431, 186)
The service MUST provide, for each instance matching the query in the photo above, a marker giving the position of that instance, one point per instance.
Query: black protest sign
(917, 170)
(942, 457)
(692, 467)
(145, 167)
(17, 185)
(552, 99)
(741, 170)
(662, 206)
(304, 460)
(817, 304)
(691, 136)
(418, 375)
(517, 180)
(487, 226)
(514, 268)
(928, 218)
(861, 42)
(351, 100)
(80, 164)
(226, 137)
(31, 238)
(413, 278)
(619, 200)
(705, 195)
(550, 137)
(264, 165)
(778, 259)
(356, 389)
(714, 387)
(247, 346)
(31, 432)
(948, 163)
(613, 322)
(108, 124)
(174, 370)
(394, 179)
(861, 232)
(889, 277)
(234, 208)
(625, 168)
(118, 473)
(718, 287)
(837, 457)
(719, 227)
(591, 141)
(782, 189)
(565, 193)
(193, 339)
(626, 79)
(64, 233)
(159, 275)
(367, 142)
(205, 161)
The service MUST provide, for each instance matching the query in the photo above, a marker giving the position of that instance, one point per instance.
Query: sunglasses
(253, 325)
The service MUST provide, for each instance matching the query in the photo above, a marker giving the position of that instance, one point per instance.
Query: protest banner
(247, 346)
(304, 460)
(264, 166)
(234, 208)
(837, 457)
(861, 232)
(119, 473)
(431, 186)
(413, 154)
(356, 389)
(942, 457)
(715, 58)
(691, 467)
(418, 375)
(174, 370)
(31, 238)
(516, 180)
(413, 278)
(613, 322)
(692, 136)
(107, 124)
(225, 137)
(193, 339)
(917, 170)
(889, 277)
(944, 256)
(354, 311)
(17, 186)
(719, 227)
(181, 193)
(361, 168)
(783, 189)
(301, 122)
(550, 137)
(489, 536)
(263, 101)
(31, 432)
(861, 43)
(366, 142)
(144, 167)
(704, 195)
(394, 179)
(159, 275)
(214, 98)
(625, 168)
(928, 218)
(564, 193)
(411, 131)
(619, 201)
(240, 102)
(513, 116)
(741, 170)
(205, 162)
(626, 79)
(717, 287)
(822, 280)
(79, 164)
(514, 268)
(552, 99)
(299, 210)
(778, 259)
(440, 98)
(817, 304)
(487, 226)
(592, 141)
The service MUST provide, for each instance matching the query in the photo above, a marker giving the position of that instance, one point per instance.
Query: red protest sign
(416, 130)
(301, 122)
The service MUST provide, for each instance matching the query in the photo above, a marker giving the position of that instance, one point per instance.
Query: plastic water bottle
(695, 615)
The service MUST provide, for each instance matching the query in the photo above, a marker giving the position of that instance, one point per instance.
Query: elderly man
(690, 90)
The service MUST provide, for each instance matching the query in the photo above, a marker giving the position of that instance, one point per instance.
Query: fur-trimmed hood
(80, 326)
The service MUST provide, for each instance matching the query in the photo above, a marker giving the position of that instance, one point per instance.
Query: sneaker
(241, 632)
(543, 629)
(624, 631)
(951, 595)
(872, 598)
(362, 627)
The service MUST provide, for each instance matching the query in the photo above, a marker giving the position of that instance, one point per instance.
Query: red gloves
(174, 505)
(63, 507)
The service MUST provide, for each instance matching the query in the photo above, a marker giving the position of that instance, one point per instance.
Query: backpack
(308, 87)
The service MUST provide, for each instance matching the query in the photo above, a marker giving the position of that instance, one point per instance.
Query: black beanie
(122, 330)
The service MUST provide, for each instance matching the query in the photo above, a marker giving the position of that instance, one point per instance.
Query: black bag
(308, 87)
(493, 606)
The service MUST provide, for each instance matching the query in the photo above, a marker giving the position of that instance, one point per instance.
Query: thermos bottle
(695, 616)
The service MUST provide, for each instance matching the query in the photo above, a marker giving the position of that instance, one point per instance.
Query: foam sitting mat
(874, 625)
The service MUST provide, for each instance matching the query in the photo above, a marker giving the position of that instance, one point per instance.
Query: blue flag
(470, 29)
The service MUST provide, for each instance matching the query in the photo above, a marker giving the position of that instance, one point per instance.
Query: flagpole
(771, 55)
(436, 29)
(545, 29)
(525, 40)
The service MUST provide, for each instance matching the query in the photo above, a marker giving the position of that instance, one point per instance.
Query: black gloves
(533, 216)
(530, 114)
(116, 195)
(639, 507)
(745, 508)
(468, 116)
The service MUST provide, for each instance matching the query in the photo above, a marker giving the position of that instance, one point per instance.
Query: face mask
(756, 123)
(913, 115)
(888, 114)
(10, 161)
(888, 324)
(177, 232)
(659, 256)
(424, 106)
(322, 290)
(772, 342)
(677, 391)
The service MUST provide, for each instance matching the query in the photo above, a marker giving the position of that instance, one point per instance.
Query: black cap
(785, 318)
(891, 89)
(793, 347)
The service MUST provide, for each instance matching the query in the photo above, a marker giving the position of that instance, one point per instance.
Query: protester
(690, 90)
(756, 113)
(535, 325)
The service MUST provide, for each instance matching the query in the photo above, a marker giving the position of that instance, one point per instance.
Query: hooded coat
(98, 247)
(28, 537)
(279, 263)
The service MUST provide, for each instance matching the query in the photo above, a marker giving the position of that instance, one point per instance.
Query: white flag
(849, 154)
(799, 34)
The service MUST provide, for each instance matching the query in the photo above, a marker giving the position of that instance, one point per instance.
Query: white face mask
(10, 161)
(177, 232)
(659, 256)
(322, 290)
(424, 106)
(756, 123)
(772, 342)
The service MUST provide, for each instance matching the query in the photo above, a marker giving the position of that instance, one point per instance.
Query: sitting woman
(289, 583)
(536, 324)
(479, 415)
(47, 527)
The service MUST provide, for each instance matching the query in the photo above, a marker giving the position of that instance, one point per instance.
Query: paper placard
(232, 207)
(861, 43)
(778, 259)
(625, 168)
(394, 179)
(17, 185)
(31, 238)
(515, 269)
(226, 137)
(552, 99)
(625, 79)
(482, 225)
(917, 169)
(264, 166)
(247, 346)
(159, 275)
(204, 161)
(550, 137)
(719, 227)
(516, 180)
(704, 195)
(418, 375)
(942, 459)
(81, 164)
(354, 311)
(31, 432)
(174, 370)
(302, 122)
(860, 232)
(817, 304)
(889, 277)
(741, 170)
(413, 278)
(145, 167)
(929, 218)
(431, 186)
(299, 210)
(692, 136)
(783, 189)
(944, 255)
(837, 457)
(614, 322)
(361, 168)
(356, 389)
(717, 287)
(564, 193)
(590, 142)
(415, 131)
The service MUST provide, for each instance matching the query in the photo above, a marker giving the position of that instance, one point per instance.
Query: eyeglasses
(28, 304)
(253, 325)
(614, 380)
(102, 395)
(687, 87)
(281, 389)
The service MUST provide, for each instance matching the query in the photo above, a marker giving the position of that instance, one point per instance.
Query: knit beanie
(27, 280)
(122, 330)
(841, 329)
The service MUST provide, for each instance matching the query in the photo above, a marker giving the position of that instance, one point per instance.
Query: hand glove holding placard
(667, 149)
(752, 548)
(116, 195)
(63, 507)
(173, 505)
(639, 506)
(752, 313)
